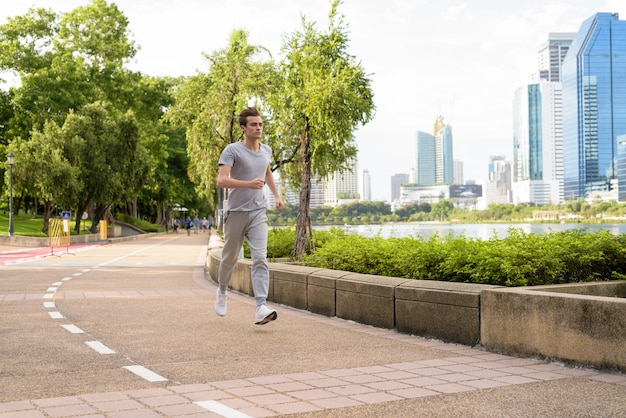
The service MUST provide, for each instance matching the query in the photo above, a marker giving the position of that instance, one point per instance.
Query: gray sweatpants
(252, 225)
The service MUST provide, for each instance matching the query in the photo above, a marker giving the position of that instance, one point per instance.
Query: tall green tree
(326, 95)
(111, 158)
(44, 169)
(208, 104)
(66, 61)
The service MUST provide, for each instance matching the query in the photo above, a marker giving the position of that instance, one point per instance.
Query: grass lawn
(28, 225)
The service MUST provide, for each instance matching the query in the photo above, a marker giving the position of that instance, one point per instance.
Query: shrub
(520, 259)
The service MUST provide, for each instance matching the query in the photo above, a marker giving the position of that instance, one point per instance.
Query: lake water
(481, 231)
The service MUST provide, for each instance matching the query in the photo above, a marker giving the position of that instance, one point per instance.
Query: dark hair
(248, 111)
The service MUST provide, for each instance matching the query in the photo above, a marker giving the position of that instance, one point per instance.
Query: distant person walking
(244, 169)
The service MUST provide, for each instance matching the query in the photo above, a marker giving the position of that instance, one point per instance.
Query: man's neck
(251, 143)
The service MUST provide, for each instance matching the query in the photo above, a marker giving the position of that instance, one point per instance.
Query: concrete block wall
(544, 321)
(581, 323)
(446, 311)
(367, 299)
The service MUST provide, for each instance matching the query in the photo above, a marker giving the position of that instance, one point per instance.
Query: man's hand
(257, 183)
(279, 203)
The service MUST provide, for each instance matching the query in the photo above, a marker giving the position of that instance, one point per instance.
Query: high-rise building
(412, 176)
(498, 187)
(342, 187)
(292, 197)
(551, 55)
(317, 192)
(366, 186)
(538, 144)
(538, 128)
(434, 155)
(457, 177)
(594, 108)
(398, 180)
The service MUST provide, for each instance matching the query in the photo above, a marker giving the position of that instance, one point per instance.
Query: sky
(462, 60)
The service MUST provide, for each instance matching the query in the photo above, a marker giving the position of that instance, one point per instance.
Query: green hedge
(520, 259)
(138, 223)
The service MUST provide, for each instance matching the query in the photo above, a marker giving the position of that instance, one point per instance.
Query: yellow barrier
(59, 232)
(103, 230)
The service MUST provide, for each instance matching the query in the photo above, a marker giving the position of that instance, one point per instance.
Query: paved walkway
(191, 363)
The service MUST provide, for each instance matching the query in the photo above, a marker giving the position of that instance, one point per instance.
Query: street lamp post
(10, 160)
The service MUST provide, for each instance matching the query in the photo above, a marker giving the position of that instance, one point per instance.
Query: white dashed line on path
(99, 347)
(144, 373)
(221, 409)
(73, 329)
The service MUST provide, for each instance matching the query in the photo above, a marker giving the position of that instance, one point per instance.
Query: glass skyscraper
(538, 128)
(594, 106)
(434, 155)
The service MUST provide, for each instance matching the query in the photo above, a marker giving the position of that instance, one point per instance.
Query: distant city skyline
(426, 58)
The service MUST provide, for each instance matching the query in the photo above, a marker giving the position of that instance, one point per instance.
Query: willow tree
(325, 96)
(207, 104)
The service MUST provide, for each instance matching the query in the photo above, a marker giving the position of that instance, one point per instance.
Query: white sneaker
(220, 303)
(264, 315)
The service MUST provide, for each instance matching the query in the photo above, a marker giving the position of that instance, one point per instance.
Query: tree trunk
(99, 213)
(47, 213)
(303, 225)
(132, 208)
(82, 208)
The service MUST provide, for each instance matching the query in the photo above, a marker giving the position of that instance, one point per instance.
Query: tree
(325, 96)
(161, 141)
(6, 112)
(442, 210)
(207, 105)
(110, 157)
(44, 170)
(66, 61)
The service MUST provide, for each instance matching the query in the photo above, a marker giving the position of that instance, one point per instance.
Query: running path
(135, 323)
(461, 370)
(23, 255)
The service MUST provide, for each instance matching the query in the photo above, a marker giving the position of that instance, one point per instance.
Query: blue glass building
(426, 156)
(594, 106)
(434, 155)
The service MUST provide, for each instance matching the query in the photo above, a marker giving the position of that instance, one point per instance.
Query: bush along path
(520, 259)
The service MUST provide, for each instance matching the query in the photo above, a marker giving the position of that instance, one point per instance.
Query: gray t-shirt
(246, 165)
